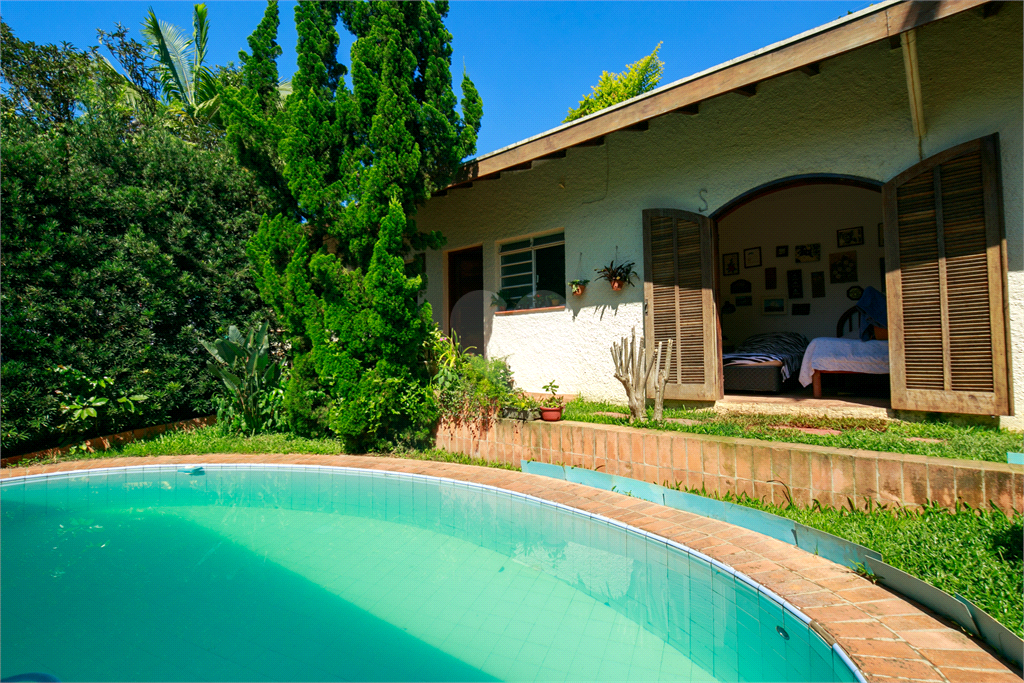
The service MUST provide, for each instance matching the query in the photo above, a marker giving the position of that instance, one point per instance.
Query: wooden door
(679, 301)
(946, 278)
(466, 297)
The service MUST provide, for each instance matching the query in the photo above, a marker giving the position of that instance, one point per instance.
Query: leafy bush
(471, 388)
(122, 245)
(252, 379)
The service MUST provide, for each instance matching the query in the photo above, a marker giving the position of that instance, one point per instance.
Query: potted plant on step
(617, 275)
(578, 287)
(551, 407)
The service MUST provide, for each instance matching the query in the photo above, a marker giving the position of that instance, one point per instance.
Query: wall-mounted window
(533, 272)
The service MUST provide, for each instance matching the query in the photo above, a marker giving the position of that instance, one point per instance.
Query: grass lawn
(964, 442)
(975, 553)
(210, 440)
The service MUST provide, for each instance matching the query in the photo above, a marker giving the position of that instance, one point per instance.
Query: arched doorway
(794, 257)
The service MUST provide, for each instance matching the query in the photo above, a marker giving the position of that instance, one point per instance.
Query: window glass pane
(512, 246)
(516, 292)
(517, 280)
(522, 257)
(548, 239)
(517, 268)
(551, 269)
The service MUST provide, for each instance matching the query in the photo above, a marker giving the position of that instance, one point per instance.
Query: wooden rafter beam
(990, 9)
(883, 24)
(525, 166)
(747, 90)
(689, 110)
(811, 69)
(560, 154)
(642, 125)
(913, 73)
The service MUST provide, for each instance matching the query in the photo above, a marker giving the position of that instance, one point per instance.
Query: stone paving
(888, 637)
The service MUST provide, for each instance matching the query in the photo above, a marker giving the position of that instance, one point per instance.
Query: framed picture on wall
(818, 284)
(842, 267)
(752, 257)
(850, 237)
(807, 253)
(781, 252)
(773, 306)
(795, 283)
(731, 263)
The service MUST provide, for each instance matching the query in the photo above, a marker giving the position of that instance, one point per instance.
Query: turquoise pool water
(302, 573)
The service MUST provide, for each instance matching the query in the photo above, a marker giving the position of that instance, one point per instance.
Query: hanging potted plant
(578, 287)
(617, 275)
(551, 407)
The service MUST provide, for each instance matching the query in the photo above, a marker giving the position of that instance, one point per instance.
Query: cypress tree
(356, 164)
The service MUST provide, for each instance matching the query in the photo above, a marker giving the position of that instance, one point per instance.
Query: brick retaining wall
(103, 443)
(721, 464)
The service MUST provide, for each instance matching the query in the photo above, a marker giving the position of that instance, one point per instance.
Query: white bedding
(847, 355)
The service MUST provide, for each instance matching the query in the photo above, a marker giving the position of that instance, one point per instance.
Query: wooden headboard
(847, 318)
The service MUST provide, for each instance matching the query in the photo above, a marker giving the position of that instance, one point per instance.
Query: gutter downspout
(910, 66)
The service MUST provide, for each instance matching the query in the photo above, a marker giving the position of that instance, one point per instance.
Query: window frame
(530, 247)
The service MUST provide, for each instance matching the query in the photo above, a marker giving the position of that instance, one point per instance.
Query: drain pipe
(908, 40)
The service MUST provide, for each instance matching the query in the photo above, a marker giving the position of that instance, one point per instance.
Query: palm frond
(200, 31)
(134, 94)
(171, 49)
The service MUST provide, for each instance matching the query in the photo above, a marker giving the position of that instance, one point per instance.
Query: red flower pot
(617, 285)
(551, 414)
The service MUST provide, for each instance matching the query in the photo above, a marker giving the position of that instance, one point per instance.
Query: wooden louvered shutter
(679, 300)
(945, 256)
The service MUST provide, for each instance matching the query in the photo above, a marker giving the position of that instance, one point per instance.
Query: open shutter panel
(945, 282)
(680, 303)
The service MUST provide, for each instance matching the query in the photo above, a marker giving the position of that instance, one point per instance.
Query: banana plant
(244, 365)
(187, 83)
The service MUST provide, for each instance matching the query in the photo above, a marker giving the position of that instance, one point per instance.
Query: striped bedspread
(787, 347)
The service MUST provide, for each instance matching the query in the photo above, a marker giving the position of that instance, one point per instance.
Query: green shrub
(470, 388)
(252, 378)
(306, 404)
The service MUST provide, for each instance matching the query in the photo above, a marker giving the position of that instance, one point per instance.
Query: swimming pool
(239, 572)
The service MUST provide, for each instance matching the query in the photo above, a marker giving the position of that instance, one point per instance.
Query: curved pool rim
(198, 467)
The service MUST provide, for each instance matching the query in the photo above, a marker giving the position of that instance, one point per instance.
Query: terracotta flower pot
(551, 414)
(577, 290)
(617, 285)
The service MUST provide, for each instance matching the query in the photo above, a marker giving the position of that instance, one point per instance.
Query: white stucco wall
(853, 118)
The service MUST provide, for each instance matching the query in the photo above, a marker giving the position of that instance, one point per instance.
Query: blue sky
(530, 61)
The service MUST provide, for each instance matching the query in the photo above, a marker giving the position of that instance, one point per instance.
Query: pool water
(291, 574)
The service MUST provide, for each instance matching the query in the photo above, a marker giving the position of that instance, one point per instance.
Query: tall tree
(639, 77)
(356, 163)
(43, 83)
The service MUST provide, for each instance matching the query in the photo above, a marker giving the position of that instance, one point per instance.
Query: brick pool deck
(888, 637)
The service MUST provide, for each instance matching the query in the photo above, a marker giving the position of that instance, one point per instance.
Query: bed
(845, 353)
(764, 362)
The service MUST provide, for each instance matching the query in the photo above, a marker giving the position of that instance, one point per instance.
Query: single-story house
(763, 195)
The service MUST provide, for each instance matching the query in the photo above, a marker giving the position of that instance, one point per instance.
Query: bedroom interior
(793, 266)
